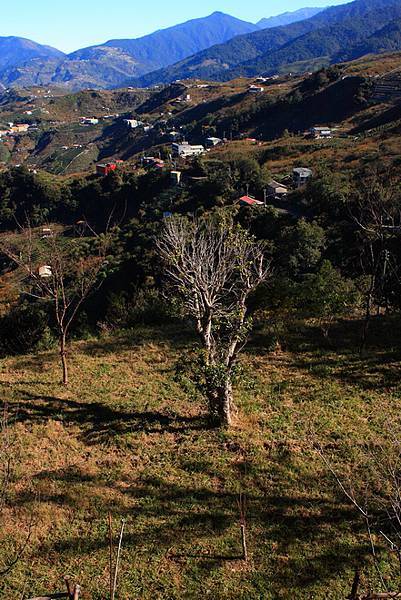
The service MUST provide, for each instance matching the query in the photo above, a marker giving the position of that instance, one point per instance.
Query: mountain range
(109, 64)
(334, 34)
(218, 47)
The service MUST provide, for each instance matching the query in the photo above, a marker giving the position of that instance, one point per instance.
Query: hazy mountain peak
(289, 17)
(17, 50)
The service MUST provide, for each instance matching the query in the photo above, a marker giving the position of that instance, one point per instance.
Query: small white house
(185, 150)
(320, 132)
(213, 141)
(45, 272)
(256, 89)
(274, 188)
(88, 121)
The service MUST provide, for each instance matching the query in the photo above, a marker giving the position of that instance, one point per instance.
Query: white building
(320, 132)
(213, 141)
(88, 121)
(185, 150)
(256, 89)
(132, 123)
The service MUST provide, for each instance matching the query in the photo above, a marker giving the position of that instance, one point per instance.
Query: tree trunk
(221, 402)
(366, 323)
(63, 356)
(227, 403)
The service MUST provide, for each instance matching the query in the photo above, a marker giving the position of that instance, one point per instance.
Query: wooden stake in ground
(355, 586)
(242, 510)
(120, 542)
(110, 556)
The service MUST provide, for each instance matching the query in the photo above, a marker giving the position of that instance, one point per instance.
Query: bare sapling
(59, 269)
(8, 458)
(375, 495)
(376, 212)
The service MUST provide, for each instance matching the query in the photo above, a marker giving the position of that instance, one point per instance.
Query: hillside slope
(125, 440)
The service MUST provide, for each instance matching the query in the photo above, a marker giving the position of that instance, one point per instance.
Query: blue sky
(73, 24)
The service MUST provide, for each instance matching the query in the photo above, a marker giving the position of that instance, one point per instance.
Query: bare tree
(212, 267)
(57, 268)
(377, 214)
(372, 484)
(8, 458)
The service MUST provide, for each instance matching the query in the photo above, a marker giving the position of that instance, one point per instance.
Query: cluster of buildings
(16, 129)
(135, 124)
(185, 98)
(186, 150)
(278, 190)
(264, 78)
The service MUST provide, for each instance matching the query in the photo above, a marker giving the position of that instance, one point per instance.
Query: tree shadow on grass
(175, 336)
(201, 526)
(339, 357)
(98, 421)
(375, 373)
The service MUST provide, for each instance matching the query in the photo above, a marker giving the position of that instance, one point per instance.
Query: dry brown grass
(125, 438)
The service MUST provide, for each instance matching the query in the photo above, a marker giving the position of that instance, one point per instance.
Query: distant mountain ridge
(332, 35)
(17, 50)
(109, 64)
(289, 17)
(219, 47)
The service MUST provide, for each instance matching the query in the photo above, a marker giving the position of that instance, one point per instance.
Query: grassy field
(125, 438)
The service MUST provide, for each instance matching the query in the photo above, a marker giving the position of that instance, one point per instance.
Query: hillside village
(154, 129)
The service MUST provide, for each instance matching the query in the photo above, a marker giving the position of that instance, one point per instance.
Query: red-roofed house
(105, 169)
(249, 201)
